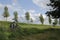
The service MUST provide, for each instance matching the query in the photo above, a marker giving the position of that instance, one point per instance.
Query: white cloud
(31, 11)
(9, 6)
(42, 3)
(13, 4)
(44, 16)
(35, 16)
(32, 16)
(10, 18)
(24, 11)
(1, 5)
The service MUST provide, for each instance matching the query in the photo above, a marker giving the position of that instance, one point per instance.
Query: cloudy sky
(35, 7)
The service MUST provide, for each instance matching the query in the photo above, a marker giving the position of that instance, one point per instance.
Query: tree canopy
(16, 16)
(41, 18)
(6, 13)
(55, 13)
(27, 16)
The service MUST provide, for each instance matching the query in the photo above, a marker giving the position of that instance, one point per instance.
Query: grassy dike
(29, 32)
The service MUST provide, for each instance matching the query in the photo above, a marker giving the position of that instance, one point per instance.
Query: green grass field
(24, 25)
(29, 32)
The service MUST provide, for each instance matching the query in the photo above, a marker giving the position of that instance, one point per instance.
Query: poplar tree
(41, 19)
(6, 13)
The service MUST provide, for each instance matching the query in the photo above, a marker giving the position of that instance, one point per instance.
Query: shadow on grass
(20, 33)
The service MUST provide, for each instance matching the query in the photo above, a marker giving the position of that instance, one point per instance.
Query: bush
(16, 33)
(52, 38)
(3, 34)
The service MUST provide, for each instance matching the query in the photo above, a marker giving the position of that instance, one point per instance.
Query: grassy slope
(38, 26)
(48, 34)
(24, 25)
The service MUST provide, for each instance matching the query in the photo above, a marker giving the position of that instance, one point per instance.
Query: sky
(34, 7)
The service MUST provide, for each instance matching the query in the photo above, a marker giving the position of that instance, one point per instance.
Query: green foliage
(27, 16)
(6, 13)
(55, 11)
(41, 19)
(31, 20)
(3, 34)
(50, 20)
(55, 4)
(56, 21)
(15, 16)
(59, 21)
(52, 38)
(29, 33)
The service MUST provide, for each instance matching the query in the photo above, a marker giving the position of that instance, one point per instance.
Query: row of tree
(27, 16)
(6, 14)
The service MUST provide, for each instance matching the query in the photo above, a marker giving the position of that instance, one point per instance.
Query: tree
(55, 13)
(27, 16)
(56, 21)
(41, 19)
(49, 18)
(59, 21)
(31, 20)
(6, 13)
(16, 16)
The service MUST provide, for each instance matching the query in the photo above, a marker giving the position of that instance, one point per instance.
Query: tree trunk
(59, 21)
(6, 19)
